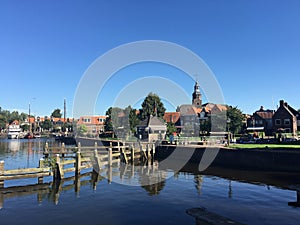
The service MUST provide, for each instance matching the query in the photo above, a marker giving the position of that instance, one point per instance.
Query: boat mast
(65, 109)
(29, 118)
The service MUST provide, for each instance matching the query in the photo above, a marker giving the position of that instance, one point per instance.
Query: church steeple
(197, 98)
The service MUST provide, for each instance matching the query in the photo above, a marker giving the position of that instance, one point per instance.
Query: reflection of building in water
(154, 189)
(152, 179)
(198, 179)
(14, 145)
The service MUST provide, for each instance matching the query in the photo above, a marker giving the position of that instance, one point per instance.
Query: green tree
(171, 128)
(236, 119)
(108, 122)
(46, 125)
(2, 122)
(5, 114)
(23, 116)
(113, 120)
(133, 119)
(152, 105)
(82, 129)
(56, 113)
(14, 116)
(25, 127)
(205, 126)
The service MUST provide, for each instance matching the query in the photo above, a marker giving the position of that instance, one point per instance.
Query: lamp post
(228, 133)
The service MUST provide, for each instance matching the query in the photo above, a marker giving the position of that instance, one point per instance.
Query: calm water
(104, 202)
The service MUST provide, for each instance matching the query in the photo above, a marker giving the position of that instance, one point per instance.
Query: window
(278, 122)
(258, 122)
(86, 120)
(287, 121)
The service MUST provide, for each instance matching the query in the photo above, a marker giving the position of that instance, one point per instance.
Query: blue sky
(252, 47)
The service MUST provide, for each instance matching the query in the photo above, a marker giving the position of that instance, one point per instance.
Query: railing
(14, 174)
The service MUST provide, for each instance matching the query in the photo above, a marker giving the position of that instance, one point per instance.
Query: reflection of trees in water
(198, 180)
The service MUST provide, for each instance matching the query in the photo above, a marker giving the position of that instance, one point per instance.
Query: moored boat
(14, 130)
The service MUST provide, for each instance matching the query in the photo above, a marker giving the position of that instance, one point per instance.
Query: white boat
(14, 130)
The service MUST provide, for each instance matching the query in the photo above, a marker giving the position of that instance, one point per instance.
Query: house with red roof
(94, 124)
(286, 119)
(261, 120)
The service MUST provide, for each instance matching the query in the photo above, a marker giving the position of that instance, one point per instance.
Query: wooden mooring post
(58, 170)
(41, 165)
(110, 154)
(97, 162)
(77, 163)
(1, 173)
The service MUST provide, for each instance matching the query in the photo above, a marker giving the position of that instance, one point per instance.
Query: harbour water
(105, 202)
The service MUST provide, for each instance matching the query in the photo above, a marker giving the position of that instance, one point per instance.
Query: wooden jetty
(60, 160)
(65, 164)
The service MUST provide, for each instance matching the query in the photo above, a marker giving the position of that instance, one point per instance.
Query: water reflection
(22, 153)
(14, 145)
(198, 179)
(128, 174)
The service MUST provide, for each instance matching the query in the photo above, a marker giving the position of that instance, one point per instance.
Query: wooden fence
(14, 174)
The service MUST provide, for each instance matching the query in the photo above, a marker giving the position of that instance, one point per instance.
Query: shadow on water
(152, 180)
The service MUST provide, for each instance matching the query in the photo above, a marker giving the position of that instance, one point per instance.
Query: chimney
(261, 108)
(281, 102)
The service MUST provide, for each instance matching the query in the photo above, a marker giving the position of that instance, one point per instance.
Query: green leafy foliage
(47, 125)
(121, 121)
(152, 105)
(56, 113)
(236, 119)
(171, 128)
(82, 129)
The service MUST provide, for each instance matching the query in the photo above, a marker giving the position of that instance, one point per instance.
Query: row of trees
(125, 120)
(7, 117)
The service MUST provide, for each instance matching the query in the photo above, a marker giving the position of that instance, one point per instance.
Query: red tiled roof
(171, 117)
(15, 122)
(93, 120)
(265, 115)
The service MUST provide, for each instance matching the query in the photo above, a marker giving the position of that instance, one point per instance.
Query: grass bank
(263, 146)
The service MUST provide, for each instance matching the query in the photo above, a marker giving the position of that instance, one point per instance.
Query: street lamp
(228, 134)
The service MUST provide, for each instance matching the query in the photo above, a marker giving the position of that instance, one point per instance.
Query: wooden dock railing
(56, 163)
(14, 174)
